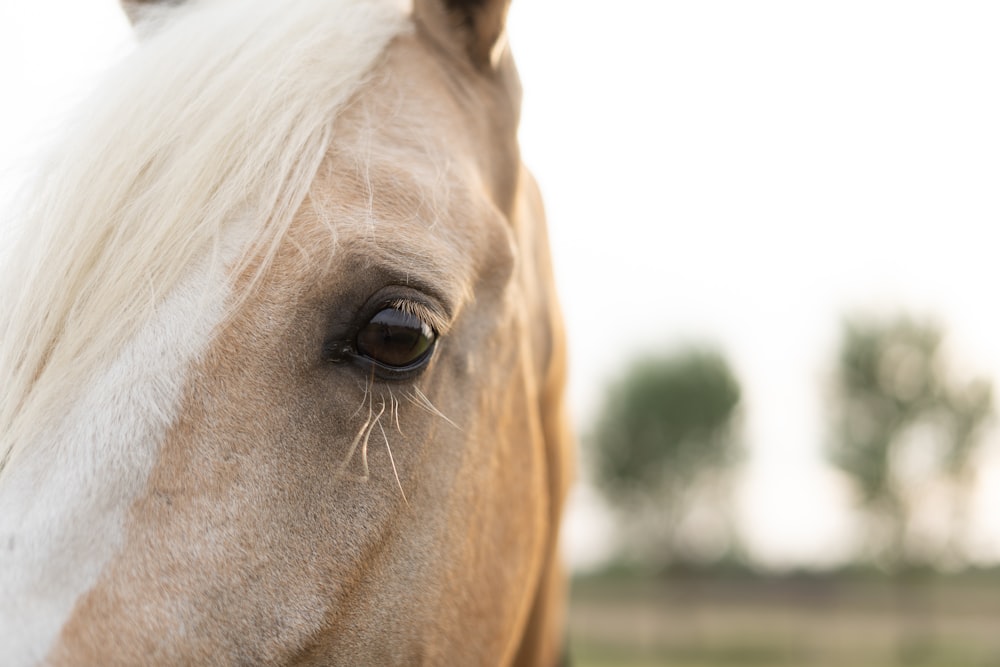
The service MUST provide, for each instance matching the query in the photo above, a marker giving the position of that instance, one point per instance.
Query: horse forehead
(388, 196)
(440, 121)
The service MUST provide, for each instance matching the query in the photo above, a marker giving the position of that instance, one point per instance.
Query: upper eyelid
(438, 323)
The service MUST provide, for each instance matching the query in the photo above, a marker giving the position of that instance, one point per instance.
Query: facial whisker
(418, 398)
(363, 433)
(365, 398)
(394, 412)
(368, 435)
(354, 445)
(392, 461)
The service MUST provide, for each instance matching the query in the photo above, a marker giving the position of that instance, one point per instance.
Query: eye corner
(337, 351)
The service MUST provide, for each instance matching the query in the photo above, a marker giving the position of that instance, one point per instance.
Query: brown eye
(396, 339)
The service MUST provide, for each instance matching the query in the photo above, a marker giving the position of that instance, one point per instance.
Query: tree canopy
(667, 427)
(905, 424)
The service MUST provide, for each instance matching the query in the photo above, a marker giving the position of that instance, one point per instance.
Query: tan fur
(259, 540)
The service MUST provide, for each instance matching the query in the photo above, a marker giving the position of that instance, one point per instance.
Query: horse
(282, 361)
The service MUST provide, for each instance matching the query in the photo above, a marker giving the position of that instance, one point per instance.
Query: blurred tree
(660, 447)
(905, 428)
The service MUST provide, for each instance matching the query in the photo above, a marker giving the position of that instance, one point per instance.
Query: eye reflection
(396, 339)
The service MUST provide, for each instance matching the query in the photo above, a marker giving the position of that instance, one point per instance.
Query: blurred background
(775, 234)
(775, 229)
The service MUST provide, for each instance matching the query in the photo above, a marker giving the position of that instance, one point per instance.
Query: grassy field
(804, 622)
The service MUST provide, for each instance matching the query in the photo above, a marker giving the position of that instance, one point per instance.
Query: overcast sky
(742, 173)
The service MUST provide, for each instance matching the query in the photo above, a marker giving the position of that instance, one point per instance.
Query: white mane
(222, 114)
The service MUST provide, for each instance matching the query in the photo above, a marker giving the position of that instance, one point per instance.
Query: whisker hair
(394, 412)
(354, 446)
(418, 398)
(392, 461)
(364, 446)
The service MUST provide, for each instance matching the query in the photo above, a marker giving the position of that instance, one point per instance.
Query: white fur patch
(63, 506)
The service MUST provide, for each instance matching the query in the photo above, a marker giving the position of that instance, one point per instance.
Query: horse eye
(396, 339)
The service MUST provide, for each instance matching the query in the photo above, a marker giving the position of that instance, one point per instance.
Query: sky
(745, 174)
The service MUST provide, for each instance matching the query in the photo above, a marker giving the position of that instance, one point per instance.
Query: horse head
(283, 362)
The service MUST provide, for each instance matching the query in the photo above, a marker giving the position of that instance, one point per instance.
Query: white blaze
(64, 501)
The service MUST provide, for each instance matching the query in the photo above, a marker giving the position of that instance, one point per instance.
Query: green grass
(825, 622)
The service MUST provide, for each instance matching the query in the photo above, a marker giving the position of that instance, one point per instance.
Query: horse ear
(138, 10)
(478, 24)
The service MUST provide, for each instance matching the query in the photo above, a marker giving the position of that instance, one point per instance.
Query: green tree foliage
(905, 428)
(665, 435)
